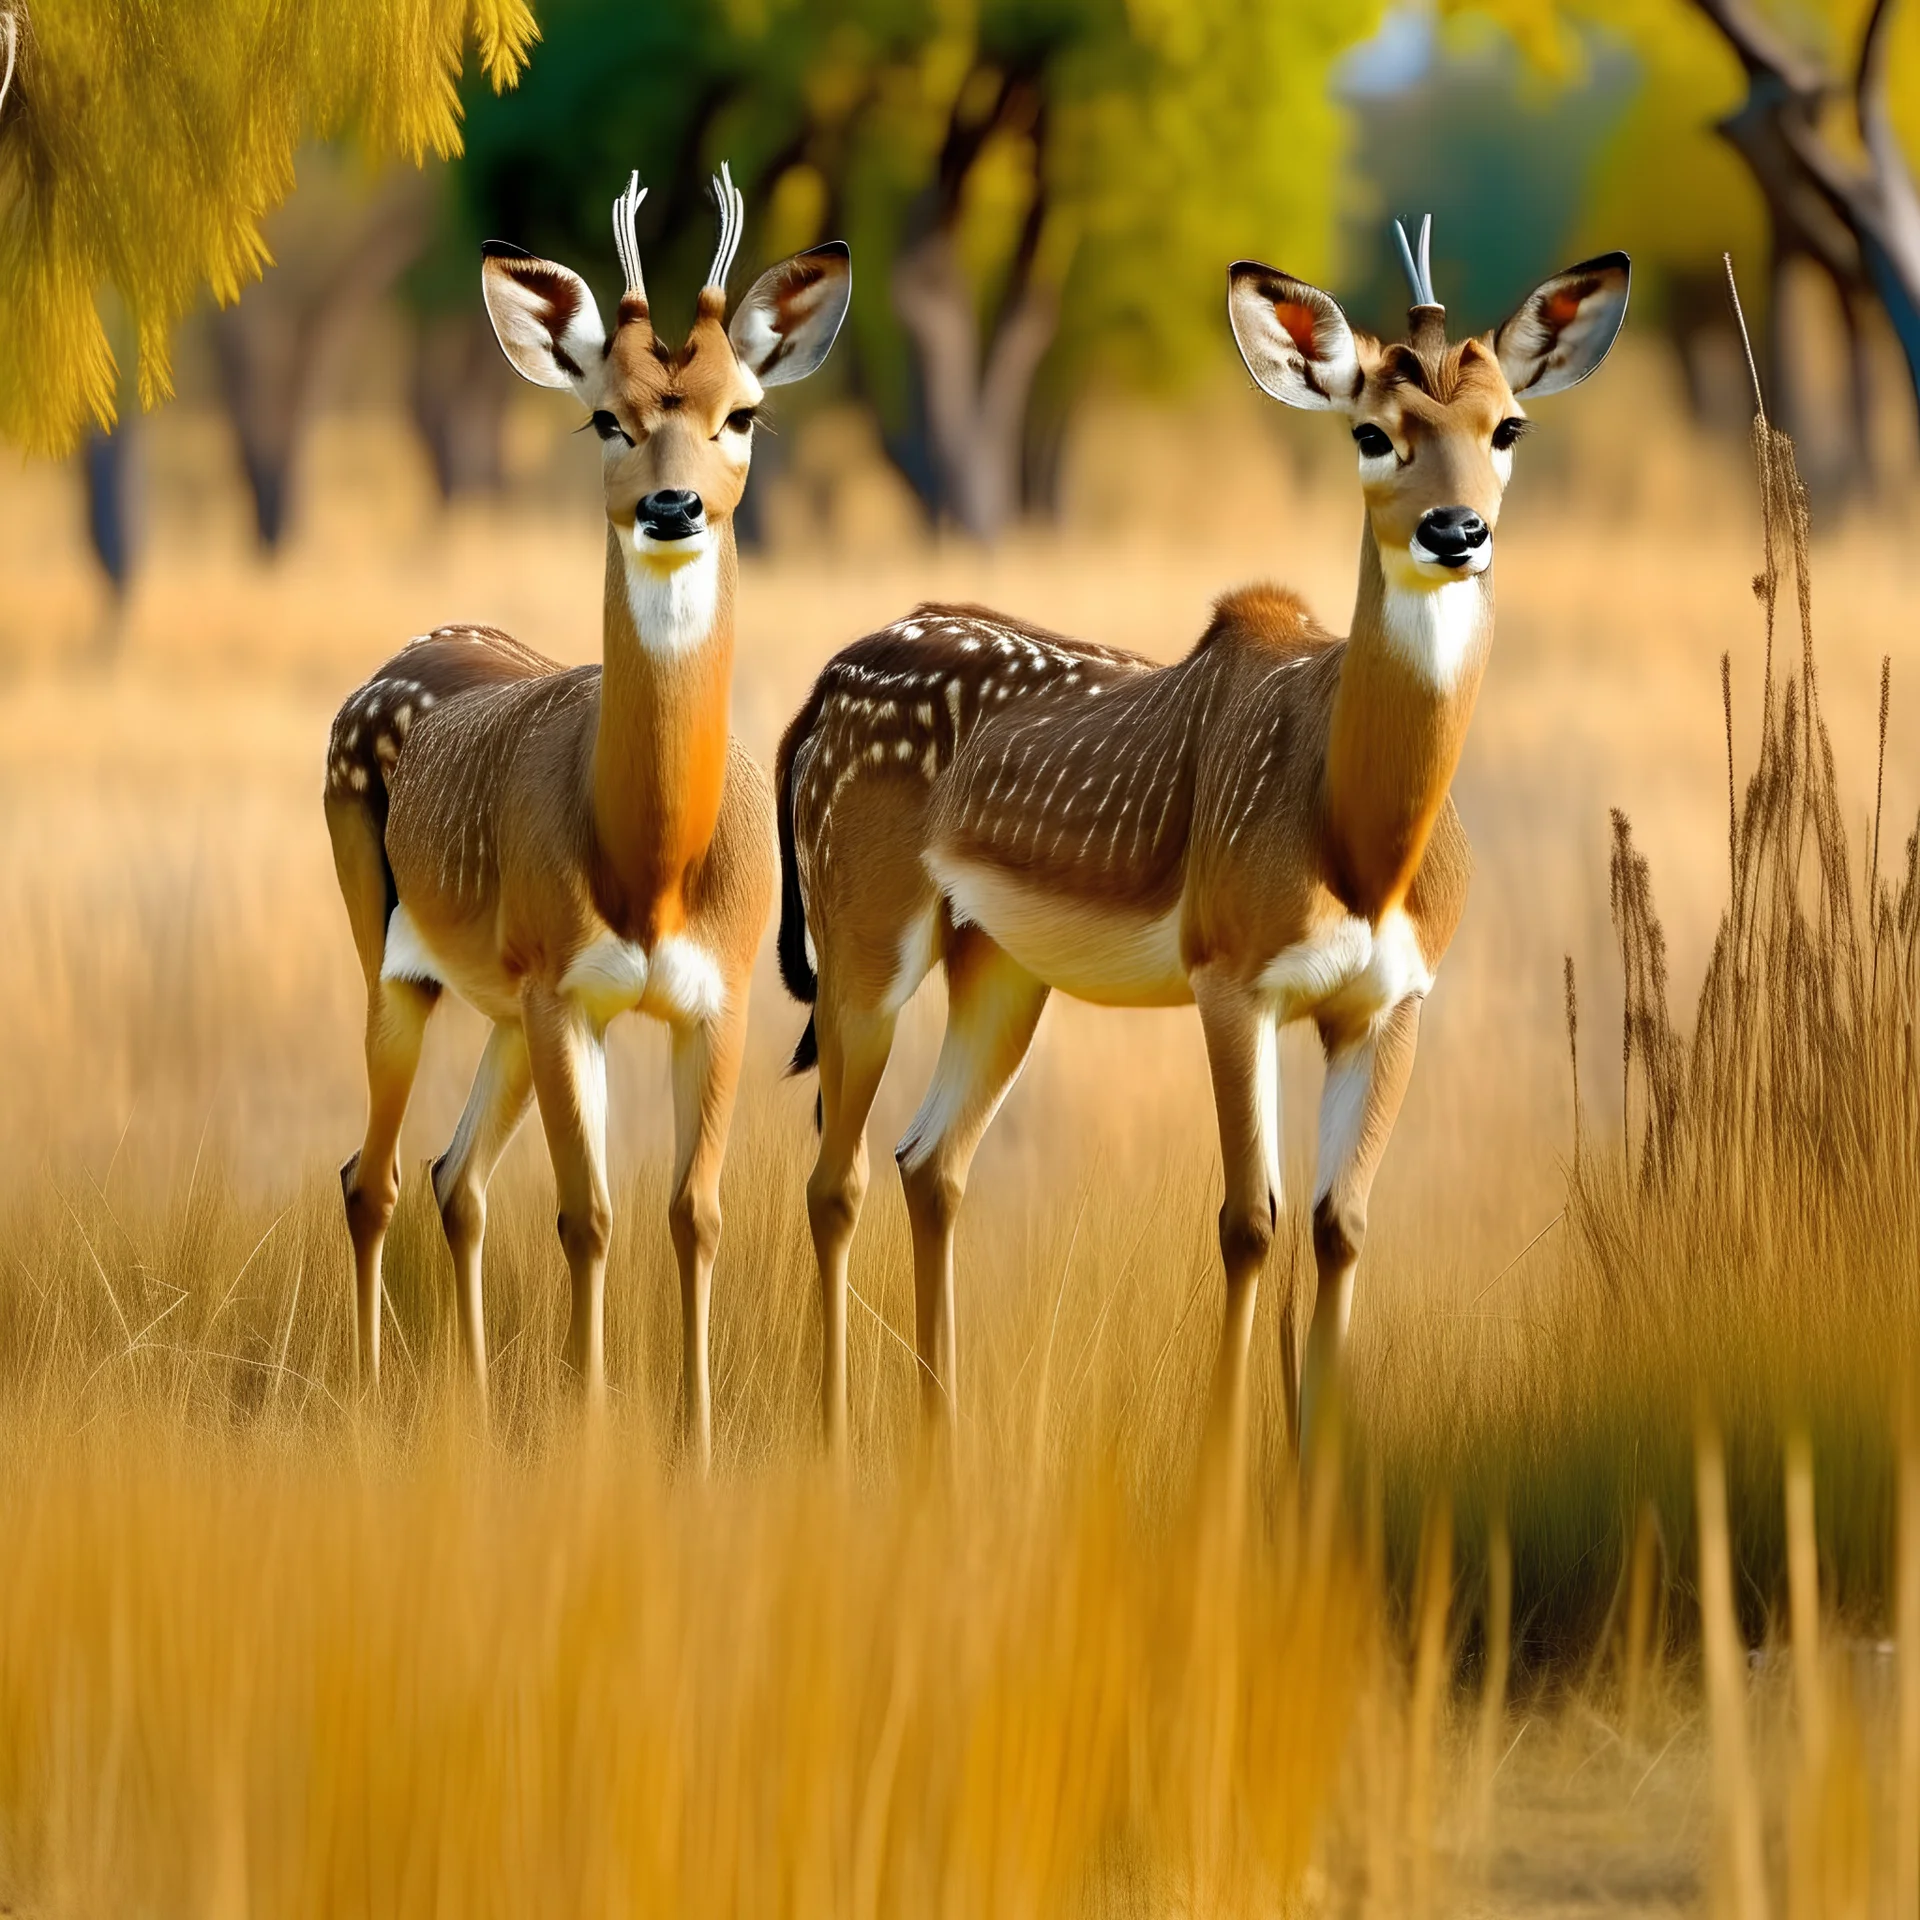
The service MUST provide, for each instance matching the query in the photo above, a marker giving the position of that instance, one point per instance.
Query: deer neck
(660, 751)
(1408, 682)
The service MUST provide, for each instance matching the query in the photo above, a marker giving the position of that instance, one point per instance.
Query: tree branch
(1763, 52)
(1870, 80)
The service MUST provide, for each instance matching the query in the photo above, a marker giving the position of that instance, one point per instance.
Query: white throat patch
(673, 589)
(1434, 629)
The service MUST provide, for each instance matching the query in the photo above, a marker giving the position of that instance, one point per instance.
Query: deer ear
(781, 331)
(1294, 338)
(1563, 328)
(544, 318)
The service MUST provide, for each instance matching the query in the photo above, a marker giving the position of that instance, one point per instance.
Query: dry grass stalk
(1643, 1573)
(1736, 1796)
(1799, 1088)
(1431, 1671)
(1497, 1629)
(1907, 1643)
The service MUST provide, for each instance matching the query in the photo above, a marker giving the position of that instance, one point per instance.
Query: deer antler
(1419, 271)
(10, 32)
(1426, 317)
(733, 219)
(626, 241)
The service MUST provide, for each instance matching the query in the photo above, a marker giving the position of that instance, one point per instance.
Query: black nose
(1451, 535)
(671, 514)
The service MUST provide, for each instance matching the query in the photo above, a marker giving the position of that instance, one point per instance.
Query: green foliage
(143, 141)
(1229, 144)
(1119, 151)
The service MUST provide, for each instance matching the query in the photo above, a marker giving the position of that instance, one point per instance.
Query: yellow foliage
(143, 141)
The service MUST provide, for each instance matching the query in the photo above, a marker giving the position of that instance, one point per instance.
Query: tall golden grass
(1751, 1233)
(262, 1649)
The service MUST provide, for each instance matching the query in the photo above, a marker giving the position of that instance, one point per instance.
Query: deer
(563, 845)
(1262, 830)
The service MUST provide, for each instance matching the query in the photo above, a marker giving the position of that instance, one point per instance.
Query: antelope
(560, 845)
(1262, 830)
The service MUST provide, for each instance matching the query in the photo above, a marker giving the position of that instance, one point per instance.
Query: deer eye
(740, 420)
(1509, 431)
(608, 428)
(1371, 442)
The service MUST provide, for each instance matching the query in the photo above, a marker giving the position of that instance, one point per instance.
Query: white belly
(1103, 954)
(1348, 972)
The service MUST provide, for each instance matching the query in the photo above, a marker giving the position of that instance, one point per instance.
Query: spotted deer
(562, 845)
(1262, 829)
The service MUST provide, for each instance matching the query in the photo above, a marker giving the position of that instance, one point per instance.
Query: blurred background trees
(1037, 192)
(1817, 103)
(1041, 195)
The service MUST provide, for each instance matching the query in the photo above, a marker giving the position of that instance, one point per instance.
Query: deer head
(1435, 424)
(675, 423)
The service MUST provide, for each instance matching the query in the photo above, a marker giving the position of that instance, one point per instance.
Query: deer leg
(1367, 1078)
(1242, 1058)
(853, 1055)
(495, 1107)
(993, 1006)
(706, 1074)
(569, 1068)
(397, 1013)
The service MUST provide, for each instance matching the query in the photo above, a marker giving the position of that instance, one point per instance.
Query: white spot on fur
(406, 956)
(914, 962)
(1267, 1089)
(1348, 971)
(673, 589)
(1435, 629)
(1343, 1111)
(686, 984)
(679, 981)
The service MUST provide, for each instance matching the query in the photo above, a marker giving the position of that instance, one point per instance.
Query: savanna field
(1608, 1601)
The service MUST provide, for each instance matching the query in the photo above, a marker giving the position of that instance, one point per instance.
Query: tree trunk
(274, 346)
(1861, 223)
(111, 485)
(976, 409)
(461, 388)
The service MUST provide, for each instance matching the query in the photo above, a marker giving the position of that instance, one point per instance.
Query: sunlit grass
(265, 1648)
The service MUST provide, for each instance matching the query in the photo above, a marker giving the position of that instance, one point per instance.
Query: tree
(141, 142)
(1823, 121)
(340, 243)
(1038, 192)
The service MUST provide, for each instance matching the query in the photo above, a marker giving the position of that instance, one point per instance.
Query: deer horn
(626, 241)
(733, 219)
(10, 32)
(1426, 317)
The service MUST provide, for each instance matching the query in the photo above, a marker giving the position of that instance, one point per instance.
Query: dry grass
(261, 1649)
